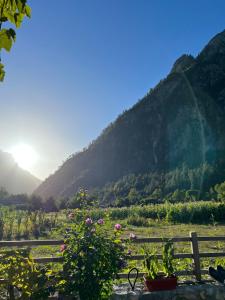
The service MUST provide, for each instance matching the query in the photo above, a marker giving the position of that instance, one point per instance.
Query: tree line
(180, 185)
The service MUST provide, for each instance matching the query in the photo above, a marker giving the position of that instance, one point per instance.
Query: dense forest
(178, 186)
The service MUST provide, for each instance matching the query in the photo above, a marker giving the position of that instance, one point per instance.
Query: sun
(24, 155)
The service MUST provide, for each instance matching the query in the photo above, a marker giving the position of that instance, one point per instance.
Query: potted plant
(155, 280)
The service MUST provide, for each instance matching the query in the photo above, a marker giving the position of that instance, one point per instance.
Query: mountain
(14, 179)
(180, 121)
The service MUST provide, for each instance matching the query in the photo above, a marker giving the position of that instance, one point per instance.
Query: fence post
(195, 253)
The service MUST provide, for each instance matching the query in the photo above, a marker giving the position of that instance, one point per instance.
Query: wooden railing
(194, 254)
(193, 239)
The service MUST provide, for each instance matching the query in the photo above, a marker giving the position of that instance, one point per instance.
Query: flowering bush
(92, 259)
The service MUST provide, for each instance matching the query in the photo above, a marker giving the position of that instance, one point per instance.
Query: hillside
(181, 120)
(14, 179)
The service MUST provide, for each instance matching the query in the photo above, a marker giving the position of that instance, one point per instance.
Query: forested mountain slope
(181, 120)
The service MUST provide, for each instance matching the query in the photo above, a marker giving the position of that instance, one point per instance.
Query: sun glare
(24, 155)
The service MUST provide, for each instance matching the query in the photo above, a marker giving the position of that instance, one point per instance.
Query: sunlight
(24, 155)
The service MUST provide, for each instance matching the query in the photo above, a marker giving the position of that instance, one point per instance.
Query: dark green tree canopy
(11, 11)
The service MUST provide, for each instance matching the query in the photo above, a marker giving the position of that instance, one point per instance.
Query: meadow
(167, 220)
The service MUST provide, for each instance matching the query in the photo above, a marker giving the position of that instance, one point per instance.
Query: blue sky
(77, 64)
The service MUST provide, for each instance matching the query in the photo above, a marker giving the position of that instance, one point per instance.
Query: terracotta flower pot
(161, 283)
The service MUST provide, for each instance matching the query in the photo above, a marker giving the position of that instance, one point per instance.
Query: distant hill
(14, 179)
(180, 121)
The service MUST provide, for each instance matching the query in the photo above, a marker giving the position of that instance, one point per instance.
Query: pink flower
(118, 227)
(88, 221)
(71, 215)
(63, 247)
(100, 222)
(132, 236)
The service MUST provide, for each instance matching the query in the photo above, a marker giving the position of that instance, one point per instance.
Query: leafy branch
(11, 11)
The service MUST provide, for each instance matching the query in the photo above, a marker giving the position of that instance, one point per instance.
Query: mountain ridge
(180, 121)
(13, 178)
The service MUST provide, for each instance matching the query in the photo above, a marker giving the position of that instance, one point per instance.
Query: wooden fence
(193, 239)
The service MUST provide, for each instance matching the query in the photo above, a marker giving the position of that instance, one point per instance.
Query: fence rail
(193, 239)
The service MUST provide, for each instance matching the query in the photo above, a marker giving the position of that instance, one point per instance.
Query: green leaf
(12, 11)
(10, 17)
(117, 241)
(3, 19)
(20, 5)
(12, 34)
(18, 18)
(28, 11)
(5, 40)
(2, 72)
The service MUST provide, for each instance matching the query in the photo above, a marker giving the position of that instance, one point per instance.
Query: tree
(82, 200)
(220, 190)
(11, 11)
(176, 196)
(62, 203)
(50, 205)
(35, 202)
(3, 193)
(133, 196)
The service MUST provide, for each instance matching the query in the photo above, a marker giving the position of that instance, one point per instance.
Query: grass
(149, 221)
(165, 230)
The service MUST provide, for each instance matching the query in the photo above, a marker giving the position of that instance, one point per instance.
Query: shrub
(23, 275)
(120, 213)
(92, 259)
(135, 220)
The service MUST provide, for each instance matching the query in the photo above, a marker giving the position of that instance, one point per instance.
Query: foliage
(195, 212)
(92, 232)
(138, 221)
(81, 200)
(220, 190)
(21, 273)
(50, 205)
(151, 264)
(25, 202)
(34, 202)
(16, 224)
(168, 251)
(12, 11)
(3, 193)
(198, 212)
(181, 184)
(92, 259)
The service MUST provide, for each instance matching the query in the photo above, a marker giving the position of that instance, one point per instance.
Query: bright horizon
(73, 71)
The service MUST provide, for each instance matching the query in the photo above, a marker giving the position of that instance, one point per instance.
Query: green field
(164, 220)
